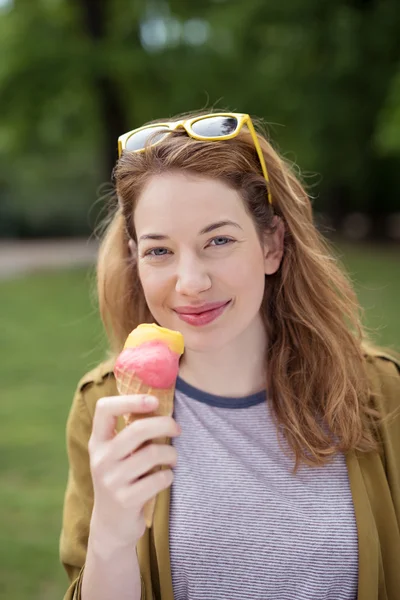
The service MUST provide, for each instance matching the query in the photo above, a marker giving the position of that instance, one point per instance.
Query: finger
(140, 463)
(108, 409)
(143, 490)
(141, 431)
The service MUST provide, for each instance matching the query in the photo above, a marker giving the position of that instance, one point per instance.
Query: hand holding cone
(149, 364)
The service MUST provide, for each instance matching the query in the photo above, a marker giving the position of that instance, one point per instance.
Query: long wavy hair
(317, 381)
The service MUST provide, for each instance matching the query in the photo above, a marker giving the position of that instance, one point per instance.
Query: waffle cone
(128, 383)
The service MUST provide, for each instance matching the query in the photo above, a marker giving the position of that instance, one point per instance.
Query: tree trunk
(94, 19)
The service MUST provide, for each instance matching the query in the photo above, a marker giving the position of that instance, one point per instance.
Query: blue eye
(220, 241)
(157, 252)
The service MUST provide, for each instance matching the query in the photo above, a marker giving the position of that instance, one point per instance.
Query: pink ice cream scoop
(153, 362)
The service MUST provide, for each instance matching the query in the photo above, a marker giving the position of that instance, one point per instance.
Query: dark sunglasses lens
(215, 126)
(149, 136)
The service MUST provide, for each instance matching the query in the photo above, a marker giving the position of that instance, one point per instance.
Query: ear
(133, 249)
(273, 247)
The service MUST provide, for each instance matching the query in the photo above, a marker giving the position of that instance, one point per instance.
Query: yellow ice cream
(147, 332)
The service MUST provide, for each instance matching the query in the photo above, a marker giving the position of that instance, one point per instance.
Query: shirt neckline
(219, 401)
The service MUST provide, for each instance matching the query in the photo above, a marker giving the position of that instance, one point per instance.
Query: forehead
(177, 200)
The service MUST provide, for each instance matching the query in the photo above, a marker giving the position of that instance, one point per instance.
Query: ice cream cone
(128, 382)
(149, 364)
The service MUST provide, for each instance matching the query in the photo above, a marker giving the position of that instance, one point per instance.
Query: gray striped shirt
(241, 525)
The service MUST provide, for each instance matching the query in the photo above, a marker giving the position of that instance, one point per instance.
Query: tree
(324, 75)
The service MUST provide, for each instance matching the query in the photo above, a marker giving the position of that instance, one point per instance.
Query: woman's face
(200, 261)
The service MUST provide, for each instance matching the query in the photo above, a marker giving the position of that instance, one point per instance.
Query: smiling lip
(201, 315)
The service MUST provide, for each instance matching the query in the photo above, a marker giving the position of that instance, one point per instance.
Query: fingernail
(150, 401)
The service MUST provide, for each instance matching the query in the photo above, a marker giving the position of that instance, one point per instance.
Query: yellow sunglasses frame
(186, 124)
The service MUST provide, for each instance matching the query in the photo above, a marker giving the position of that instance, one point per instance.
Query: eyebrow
(207, 229)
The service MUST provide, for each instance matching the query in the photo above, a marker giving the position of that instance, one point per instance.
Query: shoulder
(383, 370)
(96, 384)
(382, 361)
(96, 376)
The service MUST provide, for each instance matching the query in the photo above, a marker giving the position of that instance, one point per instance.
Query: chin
(204, 341)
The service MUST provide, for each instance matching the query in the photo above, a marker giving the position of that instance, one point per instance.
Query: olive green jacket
(374, 481)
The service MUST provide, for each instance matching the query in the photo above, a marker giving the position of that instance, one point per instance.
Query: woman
(285, 448)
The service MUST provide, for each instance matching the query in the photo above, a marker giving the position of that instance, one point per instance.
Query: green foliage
(325, 76)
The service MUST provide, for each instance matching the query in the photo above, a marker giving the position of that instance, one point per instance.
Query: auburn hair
(316, 369)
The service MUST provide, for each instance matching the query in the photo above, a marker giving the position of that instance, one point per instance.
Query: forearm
(110, 573)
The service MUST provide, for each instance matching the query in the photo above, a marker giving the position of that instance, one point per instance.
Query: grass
(376, 275)
(50, 337)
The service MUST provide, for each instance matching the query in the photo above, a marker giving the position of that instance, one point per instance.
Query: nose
(192, 277)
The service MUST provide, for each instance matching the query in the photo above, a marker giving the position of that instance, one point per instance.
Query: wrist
(104, 541)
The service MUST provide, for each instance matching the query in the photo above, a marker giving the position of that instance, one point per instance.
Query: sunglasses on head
(212, 127)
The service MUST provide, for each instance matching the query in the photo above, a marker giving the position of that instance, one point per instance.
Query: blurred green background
(74, 74)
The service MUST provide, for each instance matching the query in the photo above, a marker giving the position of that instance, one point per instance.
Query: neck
(236, 369)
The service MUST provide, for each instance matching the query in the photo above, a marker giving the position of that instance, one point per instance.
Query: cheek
(244, 272)
(250, 285)
(154, 282)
